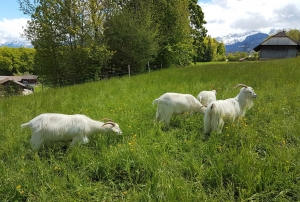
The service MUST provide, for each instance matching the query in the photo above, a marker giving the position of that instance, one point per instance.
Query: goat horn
(109, 122)
(241, 85)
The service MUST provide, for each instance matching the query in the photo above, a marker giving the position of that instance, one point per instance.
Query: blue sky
(223, 16)
(9, 9)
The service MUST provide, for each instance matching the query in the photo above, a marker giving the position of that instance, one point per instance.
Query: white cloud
(235, 16)
(11, 29)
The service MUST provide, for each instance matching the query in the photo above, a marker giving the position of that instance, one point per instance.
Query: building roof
(279, 39)
(9, 79)
(18, 78)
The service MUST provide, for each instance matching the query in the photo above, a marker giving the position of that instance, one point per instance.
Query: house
(17, 84)
(277, 46)
(11, 86)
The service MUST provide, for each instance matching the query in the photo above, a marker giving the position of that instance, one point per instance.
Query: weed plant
(254, 159)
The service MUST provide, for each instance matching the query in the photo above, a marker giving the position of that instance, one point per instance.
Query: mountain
(16, 44)
(234, 38)
(248, 44)
(243, 42)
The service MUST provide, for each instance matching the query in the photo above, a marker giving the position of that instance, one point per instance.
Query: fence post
(129, 70)
(148, 67)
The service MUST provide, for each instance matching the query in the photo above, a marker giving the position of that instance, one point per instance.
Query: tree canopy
(77, 41)
(15, 61)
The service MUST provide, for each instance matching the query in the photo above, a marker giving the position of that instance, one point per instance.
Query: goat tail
(25, 125)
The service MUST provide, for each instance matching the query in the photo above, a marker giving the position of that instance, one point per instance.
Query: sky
(223, 17)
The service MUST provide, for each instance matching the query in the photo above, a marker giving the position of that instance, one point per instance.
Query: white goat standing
(50, 128)
(230, 109)
(176, 103)
(206, 97)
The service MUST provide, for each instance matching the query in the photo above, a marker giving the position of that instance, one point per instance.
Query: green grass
(256, 159)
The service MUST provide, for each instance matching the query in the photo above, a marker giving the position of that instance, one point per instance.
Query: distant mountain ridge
(248, 44)
(16, 44)
(243, 42)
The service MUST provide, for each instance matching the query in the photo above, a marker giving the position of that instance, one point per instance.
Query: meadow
(255, 159)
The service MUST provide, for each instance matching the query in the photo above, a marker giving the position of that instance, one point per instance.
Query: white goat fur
(221, 110)
(206, 97)
(50, 128)
(176, 103)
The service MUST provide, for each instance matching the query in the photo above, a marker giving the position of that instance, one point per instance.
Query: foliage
(15, 61)
(198, 30)
(128, 32)
(238, 55)
(256, 159)
(131, 35)
(174, 34)
(67, 36)
(294, 34)
(211, 50)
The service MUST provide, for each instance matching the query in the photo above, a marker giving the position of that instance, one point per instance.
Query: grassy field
(257, 159)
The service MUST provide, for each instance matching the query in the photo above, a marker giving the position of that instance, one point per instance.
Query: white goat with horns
(221, 110)
(206, 97)
(50, 128)
(176, 103)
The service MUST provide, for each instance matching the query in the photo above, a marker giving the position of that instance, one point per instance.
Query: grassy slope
(256, 159)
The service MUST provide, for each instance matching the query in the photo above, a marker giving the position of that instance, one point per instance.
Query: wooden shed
(11, 86)
(277, 46)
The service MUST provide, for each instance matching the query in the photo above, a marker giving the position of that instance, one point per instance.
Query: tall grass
(255, 159)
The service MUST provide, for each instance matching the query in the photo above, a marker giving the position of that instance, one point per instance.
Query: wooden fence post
(129, 70)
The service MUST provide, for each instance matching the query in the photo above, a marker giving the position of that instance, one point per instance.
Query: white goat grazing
(206, 97)
(175, 103)
(230, 109)
(52, 128)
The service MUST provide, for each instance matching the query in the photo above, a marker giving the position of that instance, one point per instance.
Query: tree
(131, 34)
(5, 66)
(67, 36)
(175, 41)
(294, 34)
(212, 50)
(198, 30)
(16, 61)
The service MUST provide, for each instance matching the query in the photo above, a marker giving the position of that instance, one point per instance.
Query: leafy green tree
(5, 66)
(294, 34)
(67, 36)
(213, 50)
(220, 52)
(15, 61)
(174, 35)
(198, 30)
(131, 34)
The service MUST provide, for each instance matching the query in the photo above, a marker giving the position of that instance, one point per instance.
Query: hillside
(255, 159)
